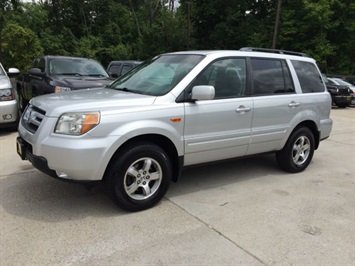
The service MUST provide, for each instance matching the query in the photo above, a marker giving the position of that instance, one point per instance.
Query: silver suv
(8, 102)
(176, 110)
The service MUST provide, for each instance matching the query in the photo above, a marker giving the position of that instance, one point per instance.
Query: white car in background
(8, 103)
(339, 81)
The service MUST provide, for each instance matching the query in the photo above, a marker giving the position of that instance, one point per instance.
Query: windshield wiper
(129, 90)
(69, 74)
(95, 75)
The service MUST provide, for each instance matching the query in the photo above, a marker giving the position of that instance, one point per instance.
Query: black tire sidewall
(284, 157)
(118, 170)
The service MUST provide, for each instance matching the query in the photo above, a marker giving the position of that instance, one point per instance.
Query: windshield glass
(157, 76)
(76, 66)
(342, 82)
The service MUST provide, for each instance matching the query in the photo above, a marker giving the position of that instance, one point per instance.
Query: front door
(220, 128)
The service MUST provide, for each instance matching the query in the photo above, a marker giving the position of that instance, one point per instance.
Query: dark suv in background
(53, 74)
(341, 95)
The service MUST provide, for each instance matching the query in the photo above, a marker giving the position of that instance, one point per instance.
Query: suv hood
(82, 82)
(55, 104)
(5, 82)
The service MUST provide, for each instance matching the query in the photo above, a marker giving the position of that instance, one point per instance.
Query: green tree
(19, 46)
(231, 25)
(6, 7)
(166, 34)
(343, 38)
(135, 29)
(324, 29)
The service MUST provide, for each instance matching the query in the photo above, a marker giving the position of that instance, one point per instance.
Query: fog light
(7, 117)
(62, 175)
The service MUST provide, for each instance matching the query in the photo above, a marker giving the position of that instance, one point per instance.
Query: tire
(139, 176)
(298, 151)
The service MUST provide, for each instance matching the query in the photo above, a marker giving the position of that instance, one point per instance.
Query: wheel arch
(163, 142)
(313, 127)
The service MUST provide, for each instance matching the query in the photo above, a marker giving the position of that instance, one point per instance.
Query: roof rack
(275, 51)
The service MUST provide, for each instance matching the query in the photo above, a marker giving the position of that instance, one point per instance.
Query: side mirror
(202, 93)
(36, 72)
(13, 72)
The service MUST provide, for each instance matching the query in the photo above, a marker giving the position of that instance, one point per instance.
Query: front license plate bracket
(21, 149)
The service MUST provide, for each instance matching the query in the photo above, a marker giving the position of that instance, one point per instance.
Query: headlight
(6, 95)
(77, 123)
(61, 89)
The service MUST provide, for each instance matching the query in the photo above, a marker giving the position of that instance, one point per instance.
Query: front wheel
(139, 176)
(298, 151)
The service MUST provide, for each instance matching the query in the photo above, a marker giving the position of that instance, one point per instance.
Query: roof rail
(275, 51)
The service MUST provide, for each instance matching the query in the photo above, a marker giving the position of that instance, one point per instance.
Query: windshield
(343, 82)
(157, 76)
(76, 66)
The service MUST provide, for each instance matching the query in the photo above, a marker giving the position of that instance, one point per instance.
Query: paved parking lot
(244, 212)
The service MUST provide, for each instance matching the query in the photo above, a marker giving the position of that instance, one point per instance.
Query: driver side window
(228, 76)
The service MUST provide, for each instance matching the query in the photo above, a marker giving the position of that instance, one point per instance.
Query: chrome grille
(32, 118)
(344, 91)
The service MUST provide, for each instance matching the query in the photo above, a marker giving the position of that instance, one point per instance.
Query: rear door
(276, 103)
(219, 128)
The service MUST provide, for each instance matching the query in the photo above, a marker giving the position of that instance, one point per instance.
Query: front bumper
(342, 99)
(8, 112)
(353, 99)
(24, 150)
(80, 158)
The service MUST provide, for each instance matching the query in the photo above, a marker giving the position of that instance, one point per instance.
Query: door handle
(293, 104)
(243, 109)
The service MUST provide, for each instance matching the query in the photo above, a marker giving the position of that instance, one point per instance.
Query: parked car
(119, 68)
(177, 110)
(339, 81)
(341, 95)
(8, 101)
(53, 74)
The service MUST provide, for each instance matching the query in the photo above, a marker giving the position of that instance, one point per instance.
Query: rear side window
(271, 76)
(308, 76)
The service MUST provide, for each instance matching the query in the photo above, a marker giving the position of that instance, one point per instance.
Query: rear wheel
(298, 151)
(139, 176)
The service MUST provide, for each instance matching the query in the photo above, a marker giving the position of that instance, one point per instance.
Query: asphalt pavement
(242, 212)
